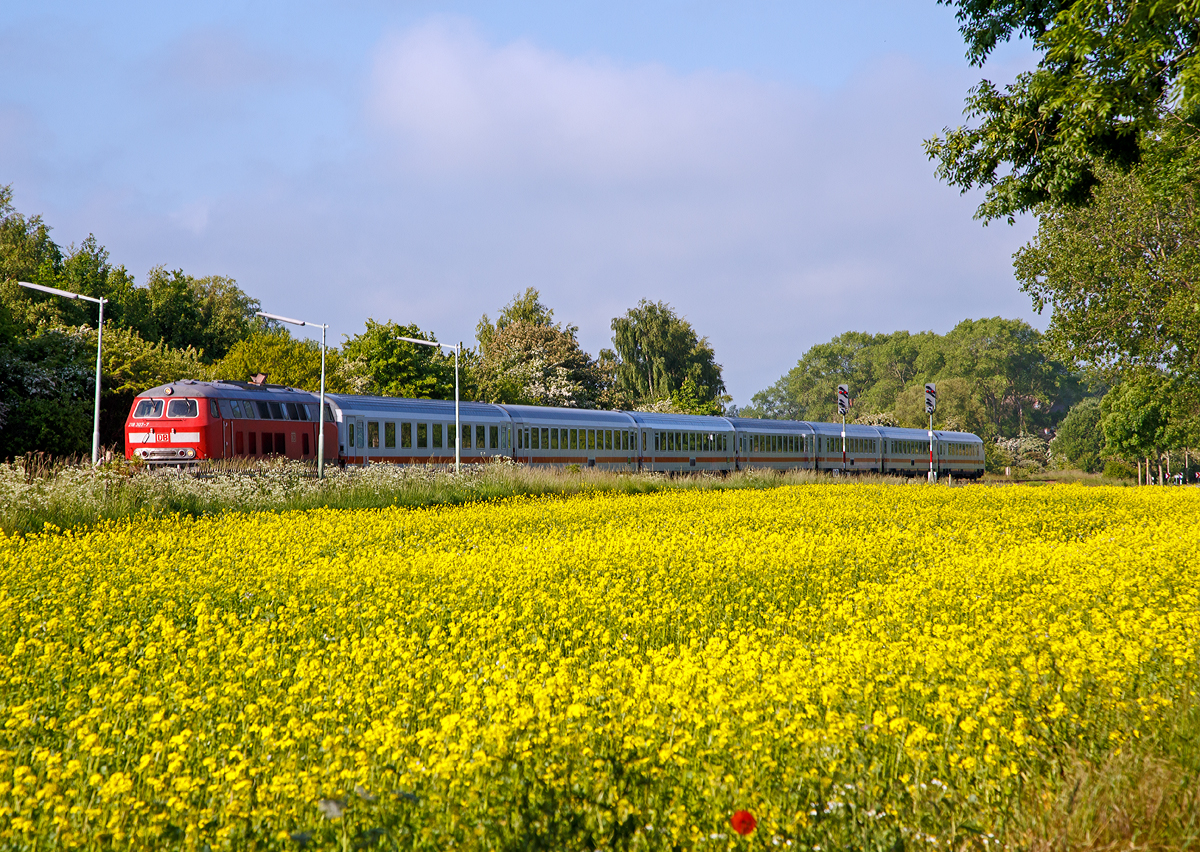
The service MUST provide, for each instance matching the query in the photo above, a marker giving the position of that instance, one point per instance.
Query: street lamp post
(321, 418)
(457, 425)
(99, 346)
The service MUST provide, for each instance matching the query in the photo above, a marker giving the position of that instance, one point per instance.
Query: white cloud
(457, 105)
(772, 216)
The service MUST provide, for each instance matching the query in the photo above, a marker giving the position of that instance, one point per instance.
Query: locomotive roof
(227, 389)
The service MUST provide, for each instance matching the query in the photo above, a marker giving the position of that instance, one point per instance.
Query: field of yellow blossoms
(858, 666)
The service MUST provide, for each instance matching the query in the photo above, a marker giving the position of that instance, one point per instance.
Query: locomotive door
(227, 437)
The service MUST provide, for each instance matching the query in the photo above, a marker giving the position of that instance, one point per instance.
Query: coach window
(545, 438)
(373, 434)
(481, 437)
(406, 435)
(466, 436)
(389, 436)
(437, 435)
(553, 439)
(183, 408)
(422, 436)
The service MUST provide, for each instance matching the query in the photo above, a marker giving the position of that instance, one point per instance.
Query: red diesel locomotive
(187, 420)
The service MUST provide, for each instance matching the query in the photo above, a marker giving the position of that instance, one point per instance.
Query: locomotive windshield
(148, 408)
(183, 408)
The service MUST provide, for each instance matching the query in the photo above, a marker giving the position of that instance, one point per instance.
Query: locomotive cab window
(183, 408)
(148, 408)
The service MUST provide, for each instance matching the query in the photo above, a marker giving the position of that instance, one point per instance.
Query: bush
(1114, 469)
(1080, 437)
(995, 458)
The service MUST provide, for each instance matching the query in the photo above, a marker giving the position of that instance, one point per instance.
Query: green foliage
(689, 399)
(1080, 438)
(995, 457)
(284, 360)
(1120, 275)
(532, 364)
(1110, 76)
(47, 388)
(657, 351)
(993, 378)
(524, 308)
(1135, 416)
(206, 314)
(1114, 469)
(378, 362)
(528, 359)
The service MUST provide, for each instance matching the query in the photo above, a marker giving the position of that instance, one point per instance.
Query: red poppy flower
(743, 822)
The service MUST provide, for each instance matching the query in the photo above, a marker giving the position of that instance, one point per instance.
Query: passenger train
(187, 421)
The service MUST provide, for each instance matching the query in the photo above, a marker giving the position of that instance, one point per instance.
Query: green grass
(66, 495)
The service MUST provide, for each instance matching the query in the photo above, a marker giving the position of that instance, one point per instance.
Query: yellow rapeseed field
(855, 665)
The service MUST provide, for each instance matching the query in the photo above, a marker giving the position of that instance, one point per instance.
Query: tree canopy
(1120, 276)
(284, 360)
(1111, 76)
(526, 358)
(377, 361)
(657, 352)
(992, 375)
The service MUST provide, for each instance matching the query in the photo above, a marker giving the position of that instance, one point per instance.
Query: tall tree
(1110, 75)
(210, 314)
(657, 351)
(1120, 276)
(284, 360)
(527, 358)
(1080, 436)
(377, 361)
(1136, 418)
(525, 308)
(995, 376)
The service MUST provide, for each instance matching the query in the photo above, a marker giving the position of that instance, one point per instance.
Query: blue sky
(758, 165)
